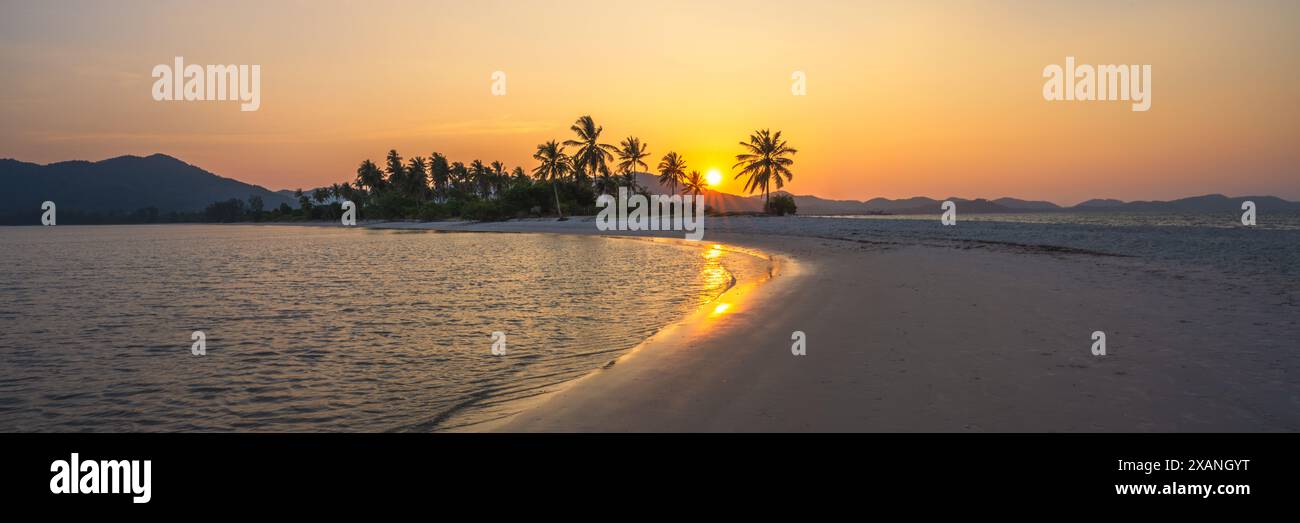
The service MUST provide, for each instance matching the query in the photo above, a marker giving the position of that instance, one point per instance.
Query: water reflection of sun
(714, 277)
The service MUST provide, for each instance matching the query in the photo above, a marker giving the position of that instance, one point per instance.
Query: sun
(713, 177)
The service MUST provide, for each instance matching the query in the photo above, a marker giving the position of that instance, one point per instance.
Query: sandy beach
(906, 333)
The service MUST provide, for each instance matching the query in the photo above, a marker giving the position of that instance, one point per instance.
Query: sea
(322, 329)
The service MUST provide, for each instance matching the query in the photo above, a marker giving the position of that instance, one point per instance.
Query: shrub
(484, 210)
(781, 205)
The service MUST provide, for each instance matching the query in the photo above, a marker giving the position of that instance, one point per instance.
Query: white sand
(904, 337)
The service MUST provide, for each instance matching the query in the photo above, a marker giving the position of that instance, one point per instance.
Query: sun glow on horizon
(713, 177)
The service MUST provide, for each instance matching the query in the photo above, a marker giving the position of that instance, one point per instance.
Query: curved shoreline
(911, 336)
(731, 294)
(666, 335)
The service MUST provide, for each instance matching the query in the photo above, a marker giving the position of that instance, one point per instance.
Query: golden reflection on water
(714, 276)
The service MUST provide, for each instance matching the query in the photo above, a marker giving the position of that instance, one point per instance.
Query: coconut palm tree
(416, 181)
(480, 178)
(631, 156)
(672, 169)
(554, 166)
(369, 176)
(460, 178)
(396, 172)
(694, 184)
(592, 157)
(765, 161)
(499, 177)
(439, 174)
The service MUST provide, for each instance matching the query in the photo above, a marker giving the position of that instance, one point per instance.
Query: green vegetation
(781, 205)
(434, 188)
(561, 182)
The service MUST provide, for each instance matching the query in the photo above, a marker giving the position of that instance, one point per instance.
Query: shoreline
(925, 336)
(911, 327)
(736, 293)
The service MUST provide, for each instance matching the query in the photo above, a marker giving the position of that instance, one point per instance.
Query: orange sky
(903, 98)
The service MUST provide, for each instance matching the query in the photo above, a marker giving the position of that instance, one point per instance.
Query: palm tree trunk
(557, 200)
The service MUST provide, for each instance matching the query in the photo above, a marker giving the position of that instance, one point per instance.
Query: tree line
(567, 179)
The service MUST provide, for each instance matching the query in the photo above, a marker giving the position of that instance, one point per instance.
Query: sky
(902, 99)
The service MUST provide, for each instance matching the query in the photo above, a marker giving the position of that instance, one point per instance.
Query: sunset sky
(903, 99)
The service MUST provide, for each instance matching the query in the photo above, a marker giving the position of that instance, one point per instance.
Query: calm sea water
(1283, 220)
(320, 329)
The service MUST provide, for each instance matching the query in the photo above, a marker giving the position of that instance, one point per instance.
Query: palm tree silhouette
(765, 162)
(694, 184)
(396, 172)
(480, 177)
(499, 177)
(417, 178)
(439, 174)
(554, 166)
(369, 176)
(631, 154)
(460, 176)
(672, 170)
(592, 157)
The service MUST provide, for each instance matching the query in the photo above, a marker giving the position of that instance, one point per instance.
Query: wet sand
(924, 337)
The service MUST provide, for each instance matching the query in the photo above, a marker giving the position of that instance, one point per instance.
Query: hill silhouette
(124, 183)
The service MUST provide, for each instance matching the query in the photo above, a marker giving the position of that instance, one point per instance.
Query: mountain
(719, 201)
(1098, 203)
(1207, 203)
(1026, 205)
(813, 205)
(125, 183)
(128, 183)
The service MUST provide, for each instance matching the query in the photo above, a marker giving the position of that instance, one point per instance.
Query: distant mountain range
(127, 183)
(813, 205)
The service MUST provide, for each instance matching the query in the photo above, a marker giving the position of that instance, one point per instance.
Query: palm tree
(304, 203)
(459, 176)
(480, 174)
(499, 177)
(694, 184)
(554, 166)
(631, 154)
(519, 178)
(320, 194)
(672, 169)
(369, 176)
(439, 174)
(417, 179)
(396, 172)
(592, 156)
(765, 162)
